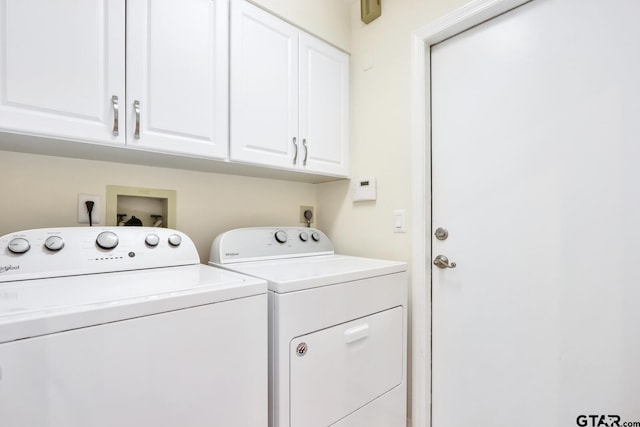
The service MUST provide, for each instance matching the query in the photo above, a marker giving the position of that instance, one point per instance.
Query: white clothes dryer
(104, 327)
(337, 327)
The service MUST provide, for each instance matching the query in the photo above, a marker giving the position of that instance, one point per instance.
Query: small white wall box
(363, 189)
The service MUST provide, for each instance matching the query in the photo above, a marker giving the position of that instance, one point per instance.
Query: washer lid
(36, 307)
(288, 275)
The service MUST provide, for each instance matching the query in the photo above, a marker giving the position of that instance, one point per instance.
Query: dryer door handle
(356, 333)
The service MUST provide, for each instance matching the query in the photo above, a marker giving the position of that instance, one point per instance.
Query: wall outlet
(83, 214)
(303, 209)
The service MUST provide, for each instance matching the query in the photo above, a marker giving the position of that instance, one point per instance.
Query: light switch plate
(399, 221)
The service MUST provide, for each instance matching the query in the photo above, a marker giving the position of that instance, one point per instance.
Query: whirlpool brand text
(5, 268)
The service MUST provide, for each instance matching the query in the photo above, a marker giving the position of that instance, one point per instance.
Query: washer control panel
(260, 243)
(70, 251)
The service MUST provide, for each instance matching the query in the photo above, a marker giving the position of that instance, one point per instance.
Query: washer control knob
(54, 243)
(107, 240)
(19, 245)
(175, 240)
(315, 236)
(281, 236)
(304, 236)
(152, 240)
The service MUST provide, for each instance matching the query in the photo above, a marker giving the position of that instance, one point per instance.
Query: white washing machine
(337, 327)
(104, 327)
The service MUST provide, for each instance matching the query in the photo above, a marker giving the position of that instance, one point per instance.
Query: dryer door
(336, 371)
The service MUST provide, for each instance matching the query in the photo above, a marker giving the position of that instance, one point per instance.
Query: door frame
(467, 16)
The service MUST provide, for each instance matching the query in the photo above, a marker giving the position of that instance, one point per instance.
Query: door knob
(442, 261)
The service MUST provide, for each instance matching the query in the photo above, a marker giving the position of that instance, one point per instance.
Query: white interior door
(535, 125)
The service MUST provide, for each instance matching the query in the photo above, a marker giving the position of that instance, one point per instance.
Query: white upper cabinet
(264, 87)
(207, 79)
(177, 76)
(63, 72)
(289, 95)
(324, 104)
(62, 69)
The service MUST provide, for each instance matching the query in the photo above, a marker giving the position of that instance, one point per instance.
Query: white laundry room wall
(42, 191)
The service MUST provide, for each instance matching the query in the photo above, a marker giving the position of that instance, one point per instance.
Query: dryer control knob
(152, 240)
(175, 240)
(281, 236)
(54, 243)
(107, 240)
(304, 236)
(315, 236)
(19, 245)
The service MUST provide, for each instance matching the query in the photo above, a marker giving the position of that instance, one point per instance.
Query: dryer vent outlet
(307, 215)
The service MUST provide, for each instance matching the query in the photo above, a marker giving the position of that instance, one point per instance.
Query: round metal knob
(54, 243)
(107, 240)
(315, 236)
(175, 240)
(304, 236)
(152, 240)
(19, 245)
(281, 236)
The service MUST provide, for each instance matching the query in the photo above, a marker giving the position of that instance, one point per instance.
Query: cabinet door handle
(136, 108)
(306, 152)
(114, 103)
(295, 153)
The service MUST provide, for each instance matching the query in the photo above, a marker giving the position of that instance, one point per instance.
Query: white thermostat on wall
(363, 189)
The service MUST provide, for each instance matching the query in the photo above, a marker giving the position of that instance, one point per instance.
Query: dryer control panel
(263, 243)
(71, 251)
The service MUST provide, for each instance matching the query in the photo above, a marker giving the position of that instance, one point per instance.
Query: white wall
(42, 191)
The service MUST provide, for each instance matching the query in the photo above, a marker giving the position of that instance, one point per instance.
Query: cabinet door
(177, 76)
(324, 105)
(61, 62)
(264, 88)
